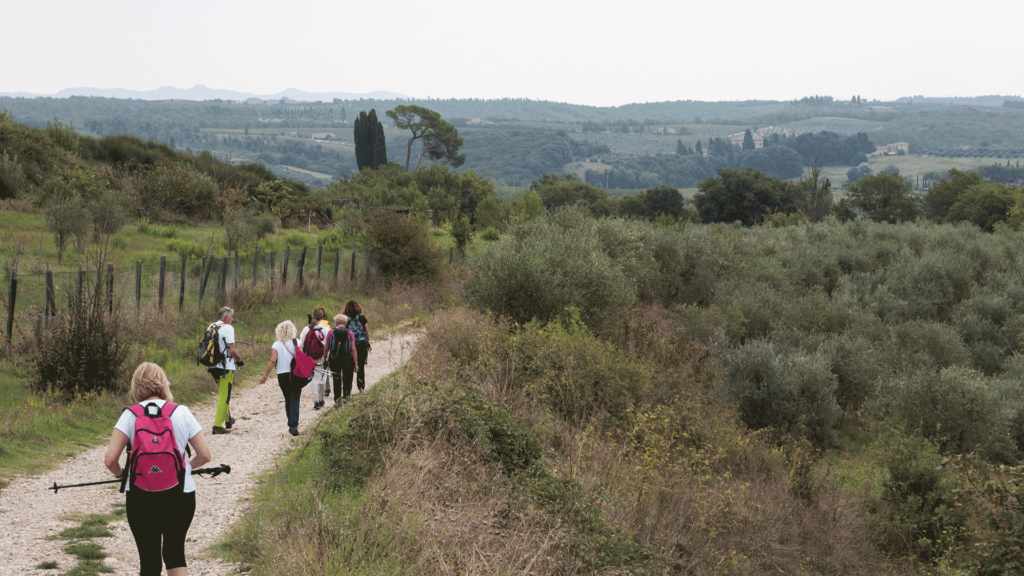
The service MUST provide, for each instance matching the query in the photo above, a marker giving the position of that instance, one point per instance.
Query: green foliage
(355, 449)
(439, 140)
(451, 193)
(64, 136)
(463, 416)
(942, 195)
(12, 177)
(997, 547)
(173, 187)
(245, 227)
(388, 186)
(880, 197)
(186, 248)
(295, 238)
(918, 513)
(790, 393)
(652, 203)
(568, 190)
(492, 212)
(956, 409)
(339, 237)
(371, 147)
(63, 217)
(406, 252)
(985, 205)
(747, 196)
(542, 268)
(84, 351)
(491, 234)
(462, 232)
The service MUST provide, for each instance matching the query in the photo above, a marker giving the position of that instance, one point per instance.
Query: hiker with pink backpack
(314, 344)
(294, 370)
(160, 494)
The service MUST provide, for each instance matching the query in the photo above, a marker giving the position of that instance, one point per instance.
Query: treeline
(520, 156)
(781, 156)
(290, 152)
(950, 127)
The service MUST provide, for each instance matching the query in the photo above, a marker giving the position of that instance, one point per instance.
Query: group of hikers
(157, 433)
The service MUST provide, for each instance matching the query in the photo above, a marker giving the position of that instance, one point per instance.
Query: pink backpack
(154, 461)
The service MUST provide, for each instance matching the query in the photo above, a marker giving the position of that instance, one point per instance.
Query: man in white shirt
(224, 373)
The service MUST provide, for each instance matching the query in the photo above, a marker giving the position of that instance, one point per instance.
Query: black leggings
(156, 515)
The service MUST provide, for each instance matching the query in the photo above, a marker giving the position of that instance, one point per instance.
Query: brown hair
(150, 380)
(352, 308)
(318, 314)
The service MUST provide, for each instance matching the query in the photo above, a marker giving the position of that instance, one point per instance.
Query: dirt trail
(29, 513)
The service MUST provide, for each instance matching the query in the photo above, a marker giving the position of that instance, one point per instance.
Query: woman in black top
(357, 323)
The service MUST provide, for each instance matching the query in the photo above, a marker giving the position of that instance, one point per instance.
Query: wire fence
(177, 283)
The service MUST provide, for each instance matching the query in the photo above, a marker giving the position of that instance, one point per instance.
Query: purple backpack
(154, 461)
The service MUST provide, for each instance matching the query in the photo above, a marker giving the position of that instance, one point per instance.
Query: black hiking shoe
(316, 405)
(231, 422)
(219, 430)
(293, 430)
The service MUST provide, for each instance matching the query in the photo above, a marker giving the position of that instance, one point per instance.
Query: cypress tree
(699, 149)
(364, 150)
(380, 150)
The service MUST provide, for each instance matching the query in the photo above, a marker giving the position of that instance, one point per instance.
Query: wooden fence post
(302, 264)
(12, 296)
(51, 297)
(163, 275)
(237, 263)
(369, 261)
(81, 280)
(223, 288)
(138, 285)
(255, 265)
(337, 262)
(352, 277)
(273, 271)
(284, 266)
(215, 262)
(181, 291)
(204, 273)
(110, 288)
(319, 257)
(450, 252)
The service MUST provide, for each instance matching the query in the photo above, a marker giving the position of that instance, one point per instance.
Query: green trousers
(224, 384)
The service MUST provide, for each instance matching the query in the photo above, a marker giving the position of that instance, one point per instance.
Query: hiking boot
(219, 430)
(327, 392)
(317, 405)
(231, 422)
(293, 430)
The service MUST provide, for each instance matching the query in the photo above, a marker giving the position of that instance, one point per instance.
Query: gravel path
(29, 513)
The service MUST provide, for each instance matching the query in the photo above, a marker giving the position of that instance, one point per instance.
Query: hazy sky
(593, 53)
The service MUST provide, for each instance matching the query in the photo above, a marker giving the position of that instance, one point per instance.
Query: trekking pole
(214, 472)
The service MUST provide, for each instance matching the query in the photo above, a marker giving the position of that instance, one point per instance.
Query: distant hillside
(955, 126)
(200, 93)
(993, 100)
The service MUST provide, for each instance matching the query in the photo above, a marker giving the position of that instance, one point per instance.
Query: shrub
(339, 237)
(84, 351)
(12, 177)
(405, 251)
(917, 513)
(491, 234)
(464, 416)
(956, 409)
(295, 238)
(186, 248)
(547, 265)
(245, 227)
(791, 392)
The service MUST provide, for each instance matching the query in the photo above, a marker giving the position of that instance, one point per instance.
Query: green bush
(465, 416)
(790, 392)
(491, 234)
(295, 238)
(956, 408)
(340, 236)
(245, 227)
(917, 514)
(84, 351)
(186, 248)
(404, 250)
(547, 265)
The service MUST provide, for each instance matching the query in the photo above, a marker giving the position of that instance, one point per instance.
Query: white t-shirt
(227, 338)
(185, 427)
(285, 353)
(325, 330)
